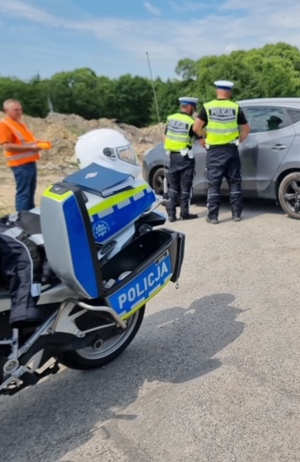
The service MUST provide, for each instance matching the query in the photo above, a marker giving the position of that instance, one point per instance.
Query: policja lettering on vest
(222, 114)
(179, 139)
(222, 127)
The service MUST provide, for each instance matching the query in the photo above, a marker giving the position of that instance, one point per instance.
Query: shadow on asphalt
(175, 346)
(251, 207)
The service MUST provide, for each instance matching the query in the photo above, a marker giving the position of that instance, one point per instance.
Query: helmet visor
(127, 154)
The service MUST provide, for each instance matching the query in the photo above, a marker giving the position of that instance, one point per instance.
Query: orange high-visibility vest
(21, 135)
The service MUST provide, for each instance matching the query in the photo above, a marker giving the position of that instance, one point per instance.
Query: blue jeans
(25, 176)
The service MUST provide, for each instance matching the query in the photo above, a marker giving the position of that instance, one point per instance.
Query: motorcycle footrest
(31, 378)
(49, 371)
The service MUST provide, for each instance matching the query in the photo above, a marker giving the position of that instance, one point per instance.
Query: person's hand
(202, 142)
(33, 146)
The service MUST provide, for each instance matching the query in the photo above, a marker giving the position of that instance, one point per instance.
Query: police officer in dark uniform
(179, 137)
(226, 126)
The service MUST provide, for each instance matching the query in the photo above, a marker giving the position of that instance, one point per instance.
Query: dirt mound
(63, 130)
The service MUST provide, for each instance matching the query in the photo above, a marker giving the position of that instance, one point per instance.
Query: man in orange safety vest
(21, 151)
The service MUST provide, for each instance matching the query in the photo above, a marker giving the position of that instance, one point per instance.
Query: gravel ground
(213, 374)
(8, 188)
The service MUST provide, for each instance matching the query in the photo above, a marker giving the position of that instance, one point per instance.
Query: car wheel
(289, 195)
(157, 182)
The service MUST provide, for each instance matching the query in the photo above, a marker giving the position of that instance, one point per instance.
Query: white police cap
(188, 100)
(224, 84)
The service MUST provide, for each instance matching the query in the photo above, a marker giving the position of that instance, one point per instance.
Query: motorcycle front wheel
(102, 352)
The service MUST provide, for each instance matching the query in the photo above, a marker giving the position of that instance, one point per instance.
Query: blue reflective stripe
(105, 225)
(80, 248)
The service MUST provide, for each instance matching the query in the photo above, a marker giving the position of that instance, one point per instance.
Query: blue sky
(112, 36)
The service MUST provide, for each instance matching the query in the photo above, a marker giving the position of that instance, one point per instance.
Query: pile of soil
(63, 131)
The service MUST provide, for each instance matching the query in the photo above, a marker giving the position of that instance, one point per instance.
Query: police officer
(226, 126)
(178, 144)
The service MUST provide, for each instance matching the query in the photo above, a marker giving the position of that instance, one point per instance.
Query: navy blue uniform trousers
(223, 162)
(181, 174)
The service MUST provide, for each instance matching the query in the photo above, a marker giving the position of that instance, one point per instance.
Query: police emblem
(100, 229)
(91, 175)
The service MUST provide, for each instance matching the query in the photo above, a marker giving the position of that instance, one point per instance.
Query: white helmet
(108, 148)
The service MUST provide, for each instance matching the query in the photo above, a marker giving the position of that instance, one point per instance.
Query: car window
(265, 119)
(294, 115)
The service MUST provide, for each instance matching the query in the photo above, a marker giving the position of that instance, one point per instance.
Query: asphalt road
(213, 374)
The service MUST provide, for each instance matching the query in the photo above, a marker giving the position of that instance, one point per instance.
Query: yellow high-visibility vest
(178, 128)
(222, 126)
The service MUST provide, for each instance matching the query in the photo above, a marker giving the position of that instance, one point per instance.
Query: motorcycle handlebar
(159, 201)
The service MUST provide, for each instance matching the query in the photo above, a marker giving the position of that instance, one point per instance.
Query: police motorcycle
(108, 255)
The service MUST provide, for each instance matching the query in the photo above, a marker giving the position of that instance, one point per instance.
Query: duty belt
(232, 143)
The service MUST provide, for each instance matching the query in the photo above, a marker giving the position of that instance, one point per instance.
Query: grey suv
(270, 156)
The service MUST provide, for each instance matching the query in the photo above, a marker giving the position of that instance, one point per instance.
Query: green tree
(271, 71)
(77, 92)
(187, 69)
(132, 100)
(31, 94)
(167, 94)
(35, 101)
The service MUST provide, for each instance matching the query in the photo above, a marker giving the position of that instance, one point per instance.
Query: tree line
(270, 71)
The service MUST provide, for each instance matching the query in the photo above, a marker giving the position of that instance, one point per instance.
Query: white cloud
(183, 6)
(151, 8)
(231, 47)
(19, 9)
(176, 7)
(231, 25)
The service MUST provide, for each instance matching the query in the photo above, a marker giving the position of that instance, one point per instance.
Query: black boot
(188, 216)
(212, 220)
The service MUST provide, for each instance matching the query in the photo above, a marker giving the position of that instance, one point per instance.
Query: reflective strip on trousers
(13, 232)
(36, 289)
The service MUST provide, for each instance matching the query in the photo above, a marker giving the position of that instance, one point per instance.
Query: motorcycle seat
(30, 222)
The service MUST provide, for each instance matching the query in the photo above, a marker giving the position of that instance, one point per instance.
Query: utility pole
(153, 88)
